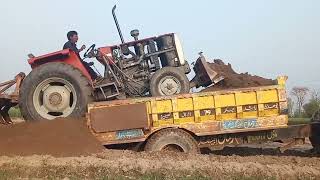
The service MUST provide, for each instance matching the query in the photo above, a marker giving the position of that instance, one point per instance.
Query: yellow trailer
(193, 120)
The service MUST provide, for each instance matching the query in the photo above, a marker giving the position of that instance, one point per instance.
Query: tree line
(303, 102)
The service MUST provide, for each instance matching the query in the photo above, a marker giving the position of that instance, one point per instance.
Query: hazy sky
(262, 37)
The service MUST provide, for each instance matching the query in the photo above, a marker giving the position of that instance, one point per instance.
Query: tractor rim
(169, 85)
(54, 97)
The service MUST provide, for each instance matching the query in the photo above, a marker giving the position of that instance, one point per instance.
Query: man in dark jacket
(72, 45)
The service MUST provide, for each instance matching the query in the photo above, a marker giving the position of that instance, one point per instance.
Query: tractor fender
(66, 56)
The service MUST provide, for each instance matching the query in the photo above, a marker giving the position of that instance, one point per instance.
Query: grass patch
(15, 112)
(5, 175)
(296, 121)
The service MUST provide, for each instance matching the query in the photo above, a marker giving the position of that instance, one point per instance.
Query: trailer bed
(259, 109)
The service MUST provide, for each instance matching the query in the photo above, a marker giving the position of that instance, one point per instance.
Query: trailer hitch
(9, 100)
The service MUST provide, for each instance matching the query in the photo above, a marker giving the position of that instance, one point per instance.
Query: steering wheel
(90, 52)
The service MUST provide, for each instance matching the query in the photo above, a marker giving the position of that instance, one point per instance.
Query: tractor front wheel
(54, 90)
(169, 81)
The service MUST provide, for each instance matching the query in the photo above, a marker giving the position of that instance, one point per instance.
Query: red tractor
(60, 86)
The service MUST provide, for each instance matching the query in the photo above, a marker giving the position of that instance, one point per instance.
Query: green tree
(300, 93)
(313, 105)
(310, 108)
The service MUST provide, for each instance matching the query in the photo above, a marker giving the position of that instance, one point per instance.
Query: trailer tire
(77, 86)
(172, 140)
(169, 81)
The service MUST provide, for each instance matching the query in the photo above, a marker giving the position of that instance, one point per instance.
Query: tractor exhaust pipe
(117, 23)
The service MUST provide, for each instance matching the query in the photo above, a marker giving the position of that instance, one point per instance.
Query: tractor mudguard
(66, 56)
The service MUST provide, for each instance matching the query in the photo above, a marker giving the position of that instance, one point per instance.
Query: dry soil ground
(246, 162)
(60, 138)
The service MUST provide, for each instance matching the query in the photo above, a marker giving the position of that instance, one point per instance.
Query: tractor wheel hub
(169, 86)
(56, 98)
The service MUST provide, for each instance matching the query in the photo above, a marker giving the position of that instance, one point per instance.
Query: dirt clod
(59, 138)
(234, 79)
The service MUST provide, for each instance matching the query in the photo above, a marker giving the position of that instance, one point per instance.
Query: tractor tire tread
(172, 71)
(30, 83)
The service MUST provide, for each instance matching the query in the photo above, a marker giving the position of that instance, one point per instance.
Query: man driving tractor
(71, 44)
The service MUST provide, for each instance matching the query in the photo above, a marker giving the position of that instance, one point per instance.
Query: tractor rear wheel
(169, 81)
(54, 90)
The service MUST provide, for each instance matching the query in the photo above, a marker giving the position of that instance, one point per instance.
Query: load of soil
(234, 79)
(59, 138)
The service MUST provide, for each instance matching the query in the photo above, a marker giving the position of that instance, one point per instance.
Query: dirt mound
(235, 80)
(59, 138)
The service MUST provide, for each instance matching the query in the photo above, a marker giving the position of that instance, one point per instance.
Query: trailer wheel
(169, 81)
(54, 90)
(176, 140)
